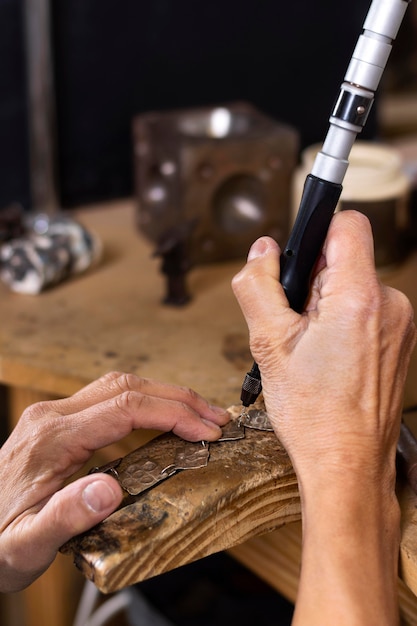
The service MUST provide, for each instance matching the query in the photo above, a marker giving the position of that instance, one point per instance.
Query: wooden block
(247, 488)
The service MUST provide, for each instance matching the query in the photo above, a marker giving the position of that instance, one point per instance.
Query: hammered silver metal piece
(166, 455)
(142, 475)
(191, 455)
(257, 419)
(156, 461)
(232, 431)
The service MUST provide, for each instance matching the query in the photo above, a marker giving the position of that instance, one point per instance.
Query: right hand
(333, 381)
(332, 377)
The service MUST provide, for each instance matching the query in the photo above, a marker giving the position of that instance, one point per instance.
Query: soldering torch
(323, 185)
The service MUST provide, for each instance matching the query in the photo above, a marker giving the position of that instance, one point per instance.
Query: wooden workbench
(112, 318)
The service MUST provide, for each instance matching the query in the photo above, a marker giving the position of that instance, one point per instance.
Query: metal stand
(41, 106)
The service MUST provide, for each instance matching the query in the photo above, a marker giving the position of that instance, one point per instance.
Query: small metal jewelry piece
(109, 468)
(191, 455)
(166, 455)
(232, 431)
(257, 419)
(143, 474)
(169, 470)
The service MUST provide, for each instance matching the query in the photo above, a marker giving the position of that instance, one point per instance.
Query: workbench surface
(111, 318)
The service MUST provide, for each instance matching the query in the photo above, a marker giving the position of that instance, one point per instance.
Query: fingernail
(98, 496)
(258, 249)
(218, 410)
(211, 425)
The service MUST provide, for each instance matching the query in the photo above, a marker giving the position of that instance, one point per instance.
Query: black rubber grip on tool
(302, 251)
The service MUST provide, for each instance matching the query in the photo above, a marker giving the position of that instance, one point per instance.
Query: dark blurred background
(115, 59)
(14, 164)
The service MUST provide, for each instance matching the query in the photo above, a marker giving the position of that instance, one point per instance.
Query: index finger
(113, 384)
(111, 420)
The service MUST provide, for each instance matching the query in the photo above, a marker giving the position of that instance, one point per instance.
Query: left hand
(53, 440)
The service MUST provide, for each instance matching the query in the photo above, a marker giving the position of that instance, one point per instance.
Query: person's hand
(332, 377)
(52, 440)
(333, 380)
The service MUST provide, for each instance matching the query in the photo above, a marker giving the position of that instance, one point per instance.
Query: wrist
(360, 495)
(351, 535)
(353, 510)
(356, 471)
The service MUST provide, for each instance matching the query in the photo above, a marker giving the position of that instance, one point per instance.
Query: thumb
(257, 283)
(74, 509)
(32, 542)
(260, 294)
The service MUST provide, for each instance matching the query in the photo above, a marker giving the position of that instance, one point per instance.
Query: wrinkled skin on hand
(333, 380)
(332, 377)
(53, 440)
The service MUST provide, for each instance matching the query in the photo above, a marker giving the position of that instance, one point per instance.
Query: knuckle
(184, 408)
(237, 278)
(407, 315)
(401, 308)
(35, 412)
(405, 306)
(247, 274)
(365, 303)
(126, 381)
(127, 399)
(111, 375)
(190, 394)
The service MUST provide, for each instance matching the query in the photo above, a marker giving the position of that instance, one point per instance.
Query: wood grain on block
(247, 488)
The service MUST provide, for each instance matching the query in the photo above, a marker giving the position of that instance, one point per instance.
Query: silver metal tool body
(323, 185)
(361, 80)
